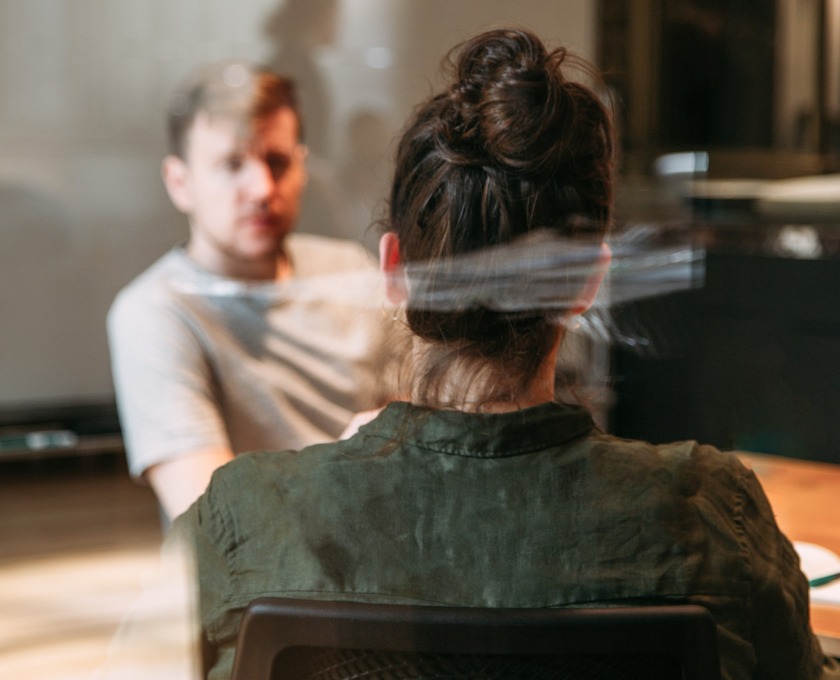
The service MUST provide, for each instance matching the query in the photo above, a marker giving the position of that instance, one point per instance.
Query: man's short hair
(231, 90)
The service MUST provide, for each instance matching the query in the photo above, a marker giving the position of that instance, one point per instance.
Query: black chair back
(284, 639)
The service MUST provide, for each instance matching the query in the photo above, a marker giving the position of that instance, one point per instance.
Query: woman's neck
(465, 386)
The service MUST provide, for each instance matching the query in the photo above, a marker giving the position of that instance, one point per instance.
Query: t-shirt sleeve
(166, 394)
(784, 644)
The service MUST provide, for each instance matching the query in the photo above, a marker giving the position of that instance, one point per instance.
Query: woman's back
(534, 508)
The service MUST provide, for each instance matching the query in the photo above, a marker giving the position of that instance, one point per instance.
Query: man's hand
(361, 418)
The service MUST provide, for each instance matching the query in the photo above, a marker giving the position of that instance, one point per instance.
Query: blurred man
(227, 343)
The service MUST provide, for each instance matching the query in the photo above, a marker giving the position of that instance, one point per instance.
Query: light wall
(796, 72)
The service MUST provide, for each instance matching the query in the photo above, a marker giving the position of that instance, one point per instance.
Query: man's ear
(304, 163)
(390, 264)
(593, 283)
(174, 171)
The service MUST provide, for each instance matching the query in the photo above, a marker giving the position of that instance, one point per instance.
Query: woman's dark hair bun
(511, 146)
(506, 104)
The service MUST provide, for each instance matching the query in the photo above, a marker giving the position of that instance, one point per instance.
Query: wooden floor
(79, 543)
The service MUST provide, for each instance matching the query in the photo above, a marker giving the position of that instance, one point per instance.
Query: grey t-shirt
(200, 361)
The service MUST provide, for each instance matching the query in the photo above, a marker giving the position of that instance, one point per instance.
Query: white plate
(816, 561)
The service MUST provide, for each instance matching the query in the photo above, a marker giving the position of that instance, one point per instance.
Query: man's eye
(233, 164)
(278, 165)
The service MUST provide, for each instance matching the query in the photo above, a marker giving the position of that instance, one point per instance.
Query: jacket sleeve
(205, 532)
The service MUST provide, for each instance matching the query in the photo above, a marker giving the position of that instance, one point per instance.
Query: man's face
(241, 190)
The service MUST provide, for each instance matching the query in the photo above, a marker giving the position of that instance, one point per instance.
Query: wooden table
(806, 500)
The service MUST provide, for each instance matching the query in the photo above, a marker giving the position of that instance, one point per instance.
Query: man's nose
(259, 179)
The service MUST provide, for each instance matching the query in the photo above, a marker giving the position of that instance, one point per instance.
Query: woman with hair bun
(483, 490)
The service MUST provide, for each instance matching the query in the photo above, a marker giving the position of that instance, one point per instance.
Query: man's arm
(179, 482)
(174, 432)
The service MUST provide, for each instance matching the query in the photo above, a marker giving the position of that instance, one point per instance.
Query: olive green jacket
(535, 508)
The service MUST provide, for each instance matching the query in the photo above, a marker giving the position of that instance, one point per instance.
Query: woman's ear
(593, 283)
(390, 264)
(174, 171)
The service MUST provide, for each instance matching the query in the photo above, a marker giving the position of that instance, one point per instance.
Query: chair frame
(270, 625)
